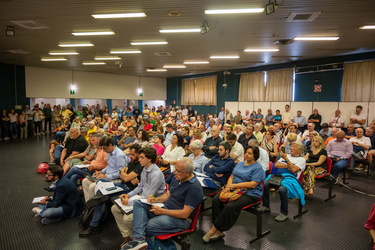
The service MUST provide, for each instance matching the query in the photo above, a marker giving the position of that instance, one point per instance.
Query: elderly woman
(197, 156)
(315, 157)
(257, 132)
(290, 166)
(246, 175)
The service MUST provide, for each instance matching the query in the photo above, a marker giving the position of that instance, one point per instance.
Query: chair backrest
(300, 179)
(329, 165)
(195, 218)
(270, 166)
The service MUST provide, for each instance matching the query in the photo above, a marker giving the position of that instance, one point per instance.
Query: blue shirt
(277, 118)
(300, 120)
(189, 193)
(117, 160)
(220, 166)
(199, 162)
(253, 172)
(168, 138)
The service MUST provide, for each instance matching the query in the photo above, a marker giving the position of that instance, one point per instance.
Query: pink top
(159, 149)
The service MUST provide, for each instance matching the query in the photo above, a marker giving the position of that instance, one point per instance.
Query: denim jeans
(51, 212)
(13, 129)
(76, 173)
(101, 208)
(283, 193)
(148, 224)
(338, 167)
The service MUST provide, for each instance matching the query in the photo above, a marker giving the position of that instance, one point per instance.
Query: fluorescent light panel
(318, 38)
(224, 57)
(367, 27)
(119, 15)
(148, 43)
(75, 44)
(156, 70)
(195, 62)
(93, 63)
(261, 50)
(107, 58)
(125, 51)
(51, 59)
(180, 30)
(60, 53)
(174, 66)
(234, 11)
(94, 33)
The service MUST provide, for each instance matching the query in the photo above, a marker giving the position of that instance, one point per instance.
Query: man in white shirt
(361, 144)
(358, 118)
(246, 117)
(185, 111)
(287, 114)
(337, 121)
(237, 151)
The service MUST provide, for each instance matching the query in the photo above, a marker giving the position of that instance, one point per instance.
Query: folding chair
(330, 181)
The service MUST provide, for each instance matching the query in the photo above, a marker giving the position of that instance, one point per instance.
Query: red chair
(181, 237)
(252, 208)
(330, 182)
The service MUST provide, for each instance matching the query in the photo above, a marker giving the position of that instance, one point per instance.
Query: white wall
(52, 102)
(55, 83)
(326, 109)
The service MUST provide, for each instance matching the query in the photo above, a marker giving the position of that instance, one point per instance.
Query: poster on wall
(317, 88)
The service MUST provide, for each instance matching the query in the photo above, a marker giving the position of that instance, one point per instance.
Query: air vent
(18, 51)
(30, 24)
(302, 17)
(283, 41)
(162, 54)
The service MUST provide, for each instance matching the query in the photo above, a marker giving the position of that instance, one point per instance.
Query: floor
(336, 224)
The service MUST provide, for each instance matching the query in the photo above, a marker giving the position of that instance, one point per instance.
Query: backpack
(42, 168)
(86, 217)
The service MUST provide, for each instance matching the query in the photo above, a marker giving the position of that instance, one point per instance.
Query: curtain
(279, 85)
(199, 91)
(358, 83)
(187, 92)
(252, 87)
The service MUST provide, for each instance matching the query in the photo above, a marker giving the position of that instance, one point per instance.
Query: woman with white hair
(197, 156)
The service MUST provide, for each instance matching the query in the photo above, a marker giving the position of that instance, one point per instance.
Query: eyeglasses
(179, 172)
(50, 174)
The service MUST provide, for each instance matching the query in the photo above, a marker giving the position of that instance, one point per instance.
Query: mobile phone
(110, 188)
(283, 149)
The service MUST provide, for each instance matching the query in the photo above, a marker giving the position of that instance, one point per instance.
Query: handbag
(232, 195)
(276, 180)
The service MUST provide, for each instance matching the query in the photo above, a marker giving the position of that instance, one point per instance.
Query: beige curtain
(252, 87)
(199, 91)
(187, 92)
(279, 85)
(358, 83)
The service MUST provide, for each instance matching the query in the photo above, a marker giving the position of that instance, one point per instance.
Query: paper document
(82, 166)
(38, 199)
(159, 204)
(107, 188)
(200, 174)
(124, 208)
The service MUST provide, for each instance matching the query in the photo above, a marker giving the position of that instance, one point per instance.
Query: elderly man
(75, 145)
(258, 116)
(339, 150)
(349, 131)
(337, 121)
(269, 118)
(228, 116)
(361, 145)
(289, 165)
(117, 160)
(237, 151)
(333, 136)
(306, 135)
(220, 167)
(210, 145)
(246, 117)
(315, 118)
(300, 120)
(358, 118)
(180, 202)
(244, 138)
(370, 134)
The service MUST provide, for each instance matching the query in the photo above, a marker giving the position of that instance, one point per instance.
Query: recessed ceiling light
(149, 43)
(156, 70)
(234, 11)
(119, 15)
(107, 58)
(94, 33)
(60, 53)
(174, 66)
(75, 44)
(195, 62)
(53, 59)
(261, 50)
(318, 38)
(125, 51)
(367, 27)
(180, 31)
(224, 57)
(93, 63)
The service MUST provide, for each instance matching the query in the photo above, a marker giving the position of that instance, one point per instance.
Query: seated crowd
(157, 155)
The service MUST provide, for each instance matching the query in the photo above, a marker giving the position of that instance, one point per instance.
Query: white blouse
(176, 154)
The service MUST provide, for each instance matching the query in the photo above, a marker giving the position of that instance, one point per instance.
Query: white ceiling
(228, 34)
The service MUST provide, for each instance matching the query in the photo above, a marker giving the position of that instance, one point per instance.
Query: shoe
(272, 189)
(97, 199)
(136, 245)
(211, 238)
(264, 209)
(46, 221)
(88, 231)
(37, 211)
(310, 191)
(49, 189)
(360, 167)
(281, 217)
(126, 241)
